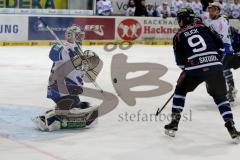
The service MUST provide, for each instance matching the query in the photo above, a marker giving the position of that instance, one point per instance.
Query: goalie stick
(80, 54)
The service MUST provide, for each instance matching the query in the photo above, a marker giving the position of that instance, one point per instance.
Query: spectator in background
(104, 7)
(140, 8)
(175, 6)
(223, 6)
(150, 9)
(163, 10)
(235, 10)
(197, 7)
(187, 4)
(131, 8)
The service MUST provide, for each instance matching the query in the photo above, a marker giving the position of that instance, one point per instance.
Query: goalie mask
(75, 33)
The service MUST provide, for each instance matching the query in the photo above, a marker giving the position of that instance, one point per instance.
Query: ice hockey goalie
(70, 64)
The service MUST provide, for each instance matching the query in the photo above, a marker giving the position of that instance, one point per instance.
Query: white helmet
(216, 5)
(75, 33)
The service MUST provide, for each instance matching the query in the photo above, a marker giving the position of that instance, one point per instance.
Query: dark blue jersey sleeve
(180, 58)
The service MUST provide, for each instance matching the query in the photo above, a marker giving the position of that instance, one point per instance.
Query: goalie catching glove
(86, 62)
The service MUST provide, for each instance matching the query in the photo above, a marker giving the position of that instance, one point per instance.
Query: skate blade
(236, 140)
(170, 133)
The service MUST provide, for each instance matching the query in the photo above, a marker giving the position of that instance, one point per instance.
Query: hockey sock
(178, 103)
(224, 108)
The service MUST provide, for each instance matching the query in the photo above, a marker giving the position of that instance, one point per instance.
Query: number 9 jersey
(196, 47)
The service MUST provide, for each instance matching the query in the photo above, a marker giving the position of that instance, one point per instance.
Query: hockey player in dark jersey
(198, 52)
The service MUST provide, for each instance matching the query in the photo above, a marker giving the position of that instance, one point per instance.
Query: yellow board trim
(85, 43)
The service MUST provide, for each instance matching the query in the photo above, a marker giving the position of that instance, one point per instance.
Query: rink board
(85, 43)
(25, 30)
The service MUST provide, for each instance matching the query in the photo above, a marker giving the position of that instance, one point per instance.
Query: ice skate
(172, 127)
(235, 135)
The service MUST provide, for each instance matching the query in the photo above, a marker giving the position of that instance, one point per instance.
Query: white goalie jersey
(64, 78)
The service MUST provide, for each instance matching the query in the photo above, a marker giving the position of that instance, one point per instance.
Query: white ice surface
(24, 74)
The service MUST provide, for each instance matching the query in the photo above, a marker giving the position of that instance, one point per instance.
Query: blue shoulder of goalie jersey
(55, 53)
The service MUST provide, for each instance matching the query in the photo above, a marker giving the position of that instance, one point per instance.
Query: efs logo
(129, 29)
(8, 29)
(98, 29)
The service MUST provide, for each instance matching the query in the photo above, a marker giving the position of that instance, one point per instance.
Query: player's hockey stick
(164, 106)
(81, 52)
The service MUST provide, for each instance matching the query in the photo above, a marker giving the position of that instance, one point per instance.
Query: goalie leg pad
(47, 122)
(67, 102)
(79, 118)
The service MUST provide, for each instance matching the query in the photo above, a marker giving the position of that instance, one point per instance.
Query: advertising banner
(40, 4)
(143, 29)
(13, 28)
(96, 28)
(120, 6)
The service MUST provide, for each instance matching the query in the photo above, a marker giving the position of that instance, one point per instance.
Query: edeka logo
(53, 4)
(129, 29)
(8, 29)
